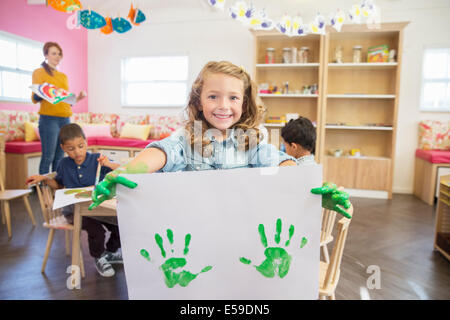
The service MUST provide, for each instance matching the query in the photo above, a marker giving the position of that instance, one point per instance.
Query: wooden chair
(6, 196)
(329, 272)
(328, 219)
(54, 220)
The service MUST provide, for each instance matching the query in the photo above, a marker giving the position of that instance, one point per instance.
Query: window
(19, 57)
(436, 80)
(154, 81)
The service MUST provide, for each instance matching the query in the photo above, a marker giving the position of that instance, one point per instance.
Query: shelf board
(361, 96)
(358, 128)
(289, 95)
(363, 65)
(274, 125)
(361, 158)
(287, 65)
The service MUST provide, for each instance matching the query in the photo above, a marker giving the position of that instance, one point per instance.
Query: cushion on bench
(122, 142)
(434, 156)
(22, 147)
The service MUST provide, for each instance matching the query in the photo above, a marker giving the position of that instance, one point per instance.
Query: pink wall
(41, 23)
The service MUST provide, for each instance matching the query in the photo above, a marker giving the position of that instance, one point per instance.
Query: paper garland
(92, 20)
(294, 26)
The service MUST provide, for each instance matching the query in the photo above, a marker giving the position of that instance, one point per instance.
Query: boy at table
(79, 170)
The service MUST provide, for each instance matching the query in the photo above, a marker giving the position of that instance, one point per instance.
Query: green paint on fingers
(277, 235)
(145, 254)
(187, 240)
(291, 233)
(159, 242)
(304, 242)
(262, 235)
(170, 236)
(244, 260)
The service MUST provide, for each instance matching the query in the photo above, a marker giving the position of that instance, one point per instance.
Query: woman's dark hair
(47, 46)
(70, 131)
(302, 132)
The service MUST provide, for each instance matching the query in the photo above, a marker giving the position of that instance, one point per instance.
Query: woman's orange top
(58, 79)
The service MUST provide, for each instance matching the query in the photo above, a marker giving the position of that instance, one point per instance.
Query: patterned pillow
(4, 123)
(16, 128)
(84, 117)
(163, 126)
(109, 118)
(122, 119)
(434, 135)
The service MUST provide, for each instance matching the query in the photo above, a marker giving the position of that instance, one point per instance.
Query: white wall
(204, 35)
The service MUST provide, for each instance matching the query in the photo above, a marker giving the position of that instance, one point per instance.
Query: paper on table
(65, 197)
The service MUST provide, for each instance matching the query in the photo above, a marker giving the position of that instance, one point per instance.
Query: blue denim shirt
(224, 155)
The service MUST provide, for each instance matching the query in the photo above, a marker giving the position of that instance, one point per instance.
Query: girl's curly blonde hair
(252, 112)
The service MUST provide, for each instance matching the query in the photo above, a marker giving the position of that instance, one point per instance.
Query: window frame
(123, 83)
(424, 81)
(18, 40)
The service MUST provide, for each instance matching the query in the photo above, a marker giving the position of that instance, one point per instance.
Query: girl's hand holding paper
(106, 189)
(333, 198)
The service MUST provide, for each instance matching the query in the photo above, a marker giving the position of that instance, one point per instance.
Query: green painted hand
(172, 278)
(106, 189)
(334, 199)
(277, 259)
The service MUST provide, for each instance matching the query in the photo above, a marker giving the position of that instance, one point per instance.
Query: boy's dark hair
(302, 132)
(70, 131)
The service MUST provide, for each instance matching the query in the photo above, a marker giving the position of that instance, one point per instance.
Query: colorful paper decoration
(219, 4)
(136, 16)
(261, 22)
(140, 17)
(91, 19)
(121, 25)
(108, 28)
(289, 26)
(65, 5)
(337, 20)
(318, 25)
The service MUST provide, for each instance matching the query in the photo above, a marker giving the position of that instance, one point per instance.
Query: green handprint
(334, 199)
(277, 260)
(172, 278)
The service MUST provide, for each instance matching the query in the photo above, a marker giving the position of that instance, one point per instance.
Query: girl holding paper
(52, 117)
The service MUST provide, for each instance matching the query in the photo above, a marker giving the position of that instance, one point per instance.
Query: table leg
(76, 236)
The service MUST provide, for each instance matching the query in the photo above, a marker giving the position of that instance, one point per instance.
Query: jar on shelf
(287, 55)
(294, 55)
(303, 55)
(357, 53)
(270, 55)
(338, 54)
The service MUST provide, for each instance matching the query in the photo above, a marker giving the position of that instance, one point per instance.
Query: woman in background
(52, 116)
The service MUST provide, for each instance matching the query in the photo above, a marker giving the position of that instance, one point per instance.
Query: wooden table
(105, 209)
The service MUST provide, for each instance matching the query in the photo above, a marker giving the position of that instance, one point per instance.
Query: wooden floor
(395, 235)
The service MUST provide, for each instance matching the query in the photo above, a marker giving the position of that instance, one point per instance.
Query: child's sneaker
(114, 257)
(103, 266)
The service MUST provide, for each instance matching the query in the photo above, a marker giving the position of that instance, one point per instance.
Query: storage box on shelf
(296, 73)
(23, 157)
(359, 109)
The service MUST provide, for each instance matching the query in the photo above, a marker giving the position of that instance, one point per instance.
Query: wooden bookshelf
(297, 74)
(359, 108)
(356, 105)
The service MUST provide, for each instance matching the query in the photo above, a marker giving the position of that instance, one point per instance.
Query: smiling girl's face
(222, 100)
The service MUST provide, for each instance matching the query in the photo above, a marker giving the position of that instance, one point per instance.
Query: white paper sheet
(222, 211)
(65, 197)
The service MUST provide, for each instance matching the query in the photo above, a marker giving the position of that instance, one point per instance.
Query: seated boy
(79, 170)
(299, 139)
